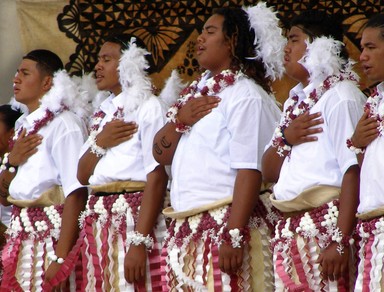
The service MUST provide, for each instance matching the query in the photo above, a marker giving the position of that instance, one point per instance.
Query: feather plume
(85, 104)
(63, 92)
(322, 58)
(136, 85)
(172, 88)
(269, 40)
(18, 106)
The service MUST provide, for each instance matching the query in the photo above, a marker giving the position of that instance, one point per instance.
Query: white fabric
(5, 214)
(372, 170)
(133, 159)
(56, 161)
(325, 161)
(231, 137)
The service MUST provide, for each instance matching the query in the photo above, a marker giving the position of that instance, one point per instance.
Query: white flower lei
(214, 85)
(94, 129)
(294, 109)
(376, 110)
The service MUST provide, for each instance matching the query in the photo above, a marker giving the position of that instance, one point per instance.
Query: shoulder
(151, 107)
(67, 120)
(348, 90)
(247, 88)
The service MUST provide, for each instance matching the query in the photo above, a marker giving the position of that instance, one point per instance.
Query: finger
(208, 99)
(126, 126)
(324, 270)
(122, 139)
(202, 113)
(365, 115)
(313, 123)
(227, 265)
(234, 265)
(137, 274)
(142, 272)
(22, 134)
(370, 124)
(131, 275)
(221, 263)
(337, 272)
(306, 139)
(311, 131)
(331, 270)
(314, 115)
(122, 135)
(204, 107)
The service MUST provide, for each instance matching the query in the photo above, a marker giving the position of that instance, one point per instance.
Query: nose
(363, 55)
(200, 38)
(98, 66)
(287, 48)
(16, 79)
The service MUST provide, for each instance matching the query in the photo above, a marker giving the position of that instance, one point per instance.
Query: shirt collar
(380, 89)
(28, 120)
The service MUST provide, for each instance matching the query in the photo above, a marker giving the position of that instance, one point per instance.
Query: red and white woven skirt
(297, 244)
(371, 255)
(191, 252)
(31, 237)
(105, 222)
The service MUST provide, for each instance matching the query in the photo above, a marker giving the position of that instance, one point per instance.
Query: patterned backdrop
(169, 28)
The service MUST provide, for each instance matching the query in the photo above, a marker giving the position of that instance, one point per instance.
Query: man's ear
(47, 82)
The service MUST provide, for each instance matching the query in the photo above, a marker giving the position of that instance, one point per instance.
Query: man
(316, 176)
(367, 142)
(39, 176)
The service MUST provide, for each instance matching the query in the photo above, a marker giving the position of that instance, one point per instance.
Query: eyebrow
(369, 43)
(291, 36)
(22, 70)
(209, 27)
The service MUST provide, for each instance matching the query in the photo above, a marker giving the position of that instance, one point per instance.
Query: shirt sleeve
(152, 119)
(345, 114)
(243, 122)
(65, 153)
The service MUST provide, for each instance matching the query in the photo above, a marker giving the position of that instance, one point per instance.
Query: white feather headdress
(269, 40)
(89, 97)
(134, 80)
(322, 58)
(172, 88)
(18, 106)
(62, 93)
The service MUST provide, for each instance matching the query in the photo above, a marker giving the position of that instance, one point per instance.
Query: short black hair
(123, 39)
(9, 115)
(47, 61)
(376, 21)
(317, 23)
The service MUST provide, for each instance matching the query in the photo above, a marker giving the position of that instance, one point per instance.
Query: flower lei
(214, 85)
(38, 124)
(375, 110)
(94, 126)
(318, 223)
(293, 110)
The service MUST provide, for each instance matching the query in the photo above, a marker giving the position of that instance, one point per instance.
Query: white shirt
(55, 162)
(324, 161)
(231, 137)
(372, 170)
(133, 159)
(5, 215)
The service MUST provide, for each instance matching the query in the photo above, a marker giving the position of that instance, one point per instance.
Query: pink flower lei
(99, 115)
(214, 85)
(38, 124)
(294, 109)
(375, 110)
